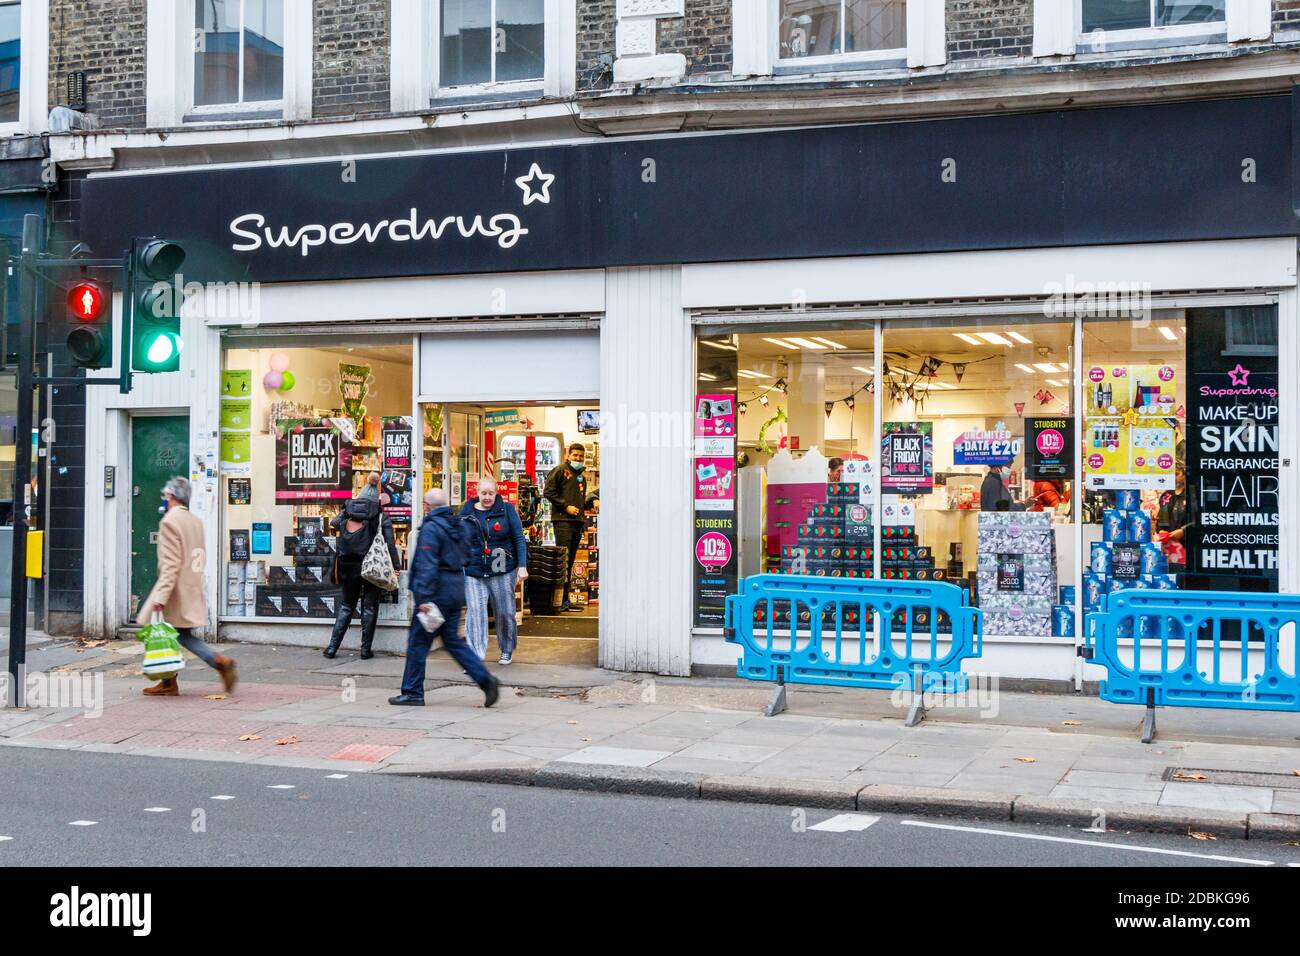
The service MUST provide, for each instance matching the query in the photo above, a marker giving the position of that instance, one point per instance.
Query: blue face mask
(576, 467)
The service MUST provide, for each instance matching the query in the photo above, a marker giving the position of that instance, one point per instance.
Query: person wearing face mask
(994, 490)
(566, 490)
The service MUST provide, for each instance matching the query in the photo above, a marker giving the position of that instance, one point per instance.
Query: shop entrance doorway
(526, 449)
(159, 451)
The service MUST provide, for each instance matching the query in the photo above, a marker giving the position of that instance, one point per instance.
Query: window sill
(891, 60)
(1147, 40)
(475, 95)
(232, 116)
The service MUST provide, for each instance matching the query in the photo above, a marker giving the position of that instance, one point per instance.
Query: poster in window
(1049, 448)
(1233, 436)
(239, 491)
(239, 546)
(396, 435)
(1011, 572)
(313, 459)
(907, 458)
(398, 484)
(1130, 428)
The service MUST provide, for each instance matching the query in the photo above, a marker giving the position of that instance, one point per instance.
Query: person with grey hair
(437, 577)
(178, 594)
(498, 559)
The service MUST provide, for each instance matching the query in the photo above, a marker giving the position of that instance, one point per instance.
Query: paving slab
(1099, 796)
(1216, 797)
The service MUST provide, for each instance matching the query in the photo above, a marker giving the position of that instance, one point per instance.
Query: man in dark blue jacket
(437, 576)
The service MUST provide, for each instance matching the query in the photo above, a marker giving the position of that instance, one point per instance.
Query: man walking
(566, 490)
(178, 594)
(437, 577)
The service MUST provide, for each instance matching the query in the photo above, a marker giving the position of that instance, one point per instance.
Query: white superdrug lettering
(253, 232)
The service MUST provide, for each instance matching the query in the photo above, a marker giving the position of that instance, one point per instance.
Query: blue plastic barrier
(1178, 642)
(853, 632)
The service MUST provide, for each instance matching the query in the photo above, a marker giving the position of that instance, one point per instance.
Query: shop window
(10, 60)
(485, 42)
(976, 488)
(1179, 448)
(238, 52)
(301, 429)
(828, 28)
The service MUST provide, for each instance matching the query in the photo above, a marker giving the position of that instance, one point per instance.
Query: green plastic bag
(162, 651)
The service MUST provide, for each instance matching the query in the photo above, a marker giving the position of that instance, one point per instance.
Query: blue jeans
(196, 646)
(418, 642)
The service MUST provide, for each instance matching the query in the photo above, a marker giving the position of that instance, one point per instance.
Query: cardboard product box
(1062, 620)
(858, 572)
(296, 603)
(898, 534)
(323, 604)
(827, 511)
(842, 493)
(270, 602)
(1016, 605)
(1035, 624)
(821, 534)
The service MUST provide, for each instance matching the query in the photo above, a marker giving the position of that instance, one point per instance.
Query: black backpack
(355, 543)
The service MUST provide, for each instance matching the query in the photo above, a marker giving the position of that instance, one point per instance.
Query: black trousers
(358, 594)
(568, 534)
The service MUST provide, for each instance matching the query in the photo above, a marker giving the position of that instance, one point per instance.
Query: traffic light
(90, 343)
(155, 305)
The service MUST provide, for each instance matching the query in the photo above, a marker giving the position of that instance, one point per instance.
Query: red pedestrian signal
(90, 339)
(86, 301)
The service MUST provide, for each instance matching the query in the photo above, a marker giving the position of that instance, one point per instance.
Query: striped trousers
(500, 590)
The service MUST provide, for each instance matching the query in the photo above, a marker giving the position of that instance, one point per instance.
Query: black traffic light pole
(32, 264)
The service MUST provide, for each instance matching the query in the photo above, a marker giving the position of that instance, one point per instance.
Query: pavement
(1049, 759)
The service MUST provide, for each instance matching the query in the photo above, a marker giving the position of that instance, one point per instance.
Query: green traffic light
(160, 350)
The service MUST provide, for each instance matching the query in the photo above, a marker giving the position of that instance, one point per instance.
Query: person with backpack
(437, 583)
(498, 558)
(360, 522)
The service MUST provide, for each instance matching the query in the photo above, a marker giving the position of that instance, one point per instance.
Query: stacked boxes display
(1016, 572)
(1126, 557)
(835, 538)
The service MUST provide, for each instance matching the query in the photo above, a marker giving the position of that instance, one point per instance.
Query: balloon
(279, 362)
(286, 381)
(272, 380)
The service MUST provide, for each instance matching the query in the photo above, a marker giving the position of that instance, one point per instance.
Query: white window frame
(1058, 28)
(756, 41)
(33, 71)
(169, 68)
(417, 45)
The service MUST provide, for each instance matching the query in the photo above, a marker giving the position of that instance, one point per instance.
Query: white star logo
(532, 193)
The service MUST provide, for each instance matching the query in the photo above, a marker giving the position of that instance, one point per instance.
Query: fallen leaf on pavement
(1190, 776)
(1291, 843)
(586, 739)
(570, 721)
(251, 737)
(1198, 835)
(913, 755)
(1071, 723)
(214, 696)
(1296, 772)
(1028, 759)
(94, 643)
(291, 739)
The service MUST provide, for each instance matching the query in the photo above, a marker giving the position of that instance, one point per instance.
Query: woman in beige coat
(178, 594)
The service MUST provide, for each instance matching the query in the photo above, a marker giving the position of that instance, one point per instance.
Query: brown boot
(226, 668)
(164, 688)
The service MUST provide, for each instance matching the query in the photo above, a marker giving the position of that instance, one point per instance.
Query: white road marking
(157, 809)
(336, 776)
(281, 786)
(846, 823)
(83, 823)
(1094, 843)
(222, 796)
(4, 838)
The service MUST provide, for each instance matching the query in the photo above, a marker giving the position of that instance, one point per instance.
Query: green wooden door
(160, 449)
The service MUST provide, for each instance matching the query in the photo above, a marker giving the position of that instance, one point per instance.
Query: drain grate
(1238, 778)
